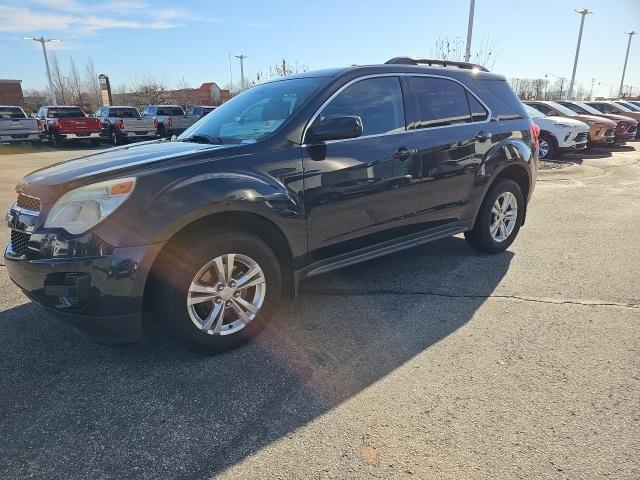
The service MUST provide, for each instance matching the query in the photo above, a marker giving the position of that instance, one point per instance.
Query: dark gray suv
(290, 179)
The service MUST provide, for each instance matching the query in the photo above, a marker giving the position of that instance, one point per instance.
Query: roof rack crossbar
(431, 62)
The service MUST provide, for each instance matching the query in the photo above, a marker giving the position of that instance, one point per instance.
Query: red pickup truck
(63, 124)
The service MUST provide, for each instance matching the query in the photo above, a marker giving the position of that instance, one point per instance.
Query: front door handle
(403, 153)
(483, 136)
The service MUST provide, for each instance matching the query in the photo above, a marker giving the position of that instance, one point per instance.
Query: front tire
(219, 289)
(499, 219)
(547, 147)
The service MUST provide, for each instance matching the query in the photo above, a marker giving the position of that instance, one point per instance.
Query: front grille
(609, 132)
(19, 242)
(581, 137)
(28, 202)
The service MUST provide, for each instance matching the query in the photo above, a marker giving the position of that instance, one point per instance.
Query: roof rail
(429, 62)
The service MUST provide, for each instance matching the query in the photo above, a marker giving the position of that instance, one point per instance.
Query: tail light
(40, 124)
(170, 121)
(155, 122)
(535, 133)
(120, 124)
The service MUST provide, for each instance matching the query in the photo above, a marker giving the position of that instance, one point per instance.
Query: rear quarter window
(501, 98)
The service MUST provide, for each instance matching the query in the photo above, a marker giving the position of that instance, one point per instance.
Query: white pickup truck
(15, 126)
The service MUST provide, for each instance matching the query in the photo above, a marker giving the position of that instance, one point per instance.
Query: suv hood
(50, 182)
(618, 118)
(593, 118)
(569, 121)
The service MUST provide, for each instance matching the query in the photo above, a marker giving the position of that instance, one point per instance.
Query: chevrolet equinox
(290, 179)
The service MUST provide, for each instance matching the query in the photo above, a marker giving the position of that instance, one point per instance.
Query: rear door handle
(482, 136)
(403, 153)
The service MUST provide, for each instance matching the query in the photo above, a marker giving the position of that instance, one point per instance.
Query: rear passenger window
(478, 112)
(441, 101)
(377, 101)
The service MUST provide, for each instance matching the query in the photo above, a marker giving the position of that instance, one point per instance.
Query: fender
(171, 204)
(503, 154)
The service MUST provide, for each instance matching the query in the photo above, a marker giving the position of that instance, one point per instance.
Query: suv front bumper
(100, 296)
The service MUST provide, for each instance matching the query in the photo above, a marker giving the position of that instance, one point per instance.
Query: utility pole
(624, 69)
(42, 41)
(467, 52)
(583, 12)
(593, 80)
(241, 58)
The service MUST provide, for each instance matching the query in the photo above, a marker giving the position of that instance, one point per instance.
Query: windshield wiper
(202, 138)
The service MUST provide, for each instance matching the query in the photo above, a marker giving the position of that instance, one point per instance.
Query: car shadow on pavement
(74, 409)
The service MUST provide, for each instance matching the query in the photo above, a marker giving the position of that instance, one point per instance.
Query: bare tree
(75, 86)
(181, 94)
(453, 48)
(148, 89)
(91, 84)
(60, 81)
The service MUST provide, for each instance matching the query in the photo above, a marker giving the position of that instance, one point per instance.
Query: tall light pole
(624, 69)
(467, 51)
(42, 41)
(241, 58)
(584, 12)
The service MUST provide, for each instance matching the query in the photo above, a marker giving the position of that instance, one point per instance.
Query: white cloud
(19, 19)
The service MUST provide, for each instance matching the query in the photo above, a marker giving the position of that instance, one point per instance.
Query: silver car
(15, 126)
(120, 124)
(170, 119)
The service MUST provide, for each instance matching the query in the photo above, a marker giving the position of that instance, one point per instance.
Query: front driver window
(377, 101)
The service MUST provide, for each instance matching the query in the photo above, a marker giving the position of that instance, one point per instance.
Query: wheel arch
(250, 222)
(520, 175)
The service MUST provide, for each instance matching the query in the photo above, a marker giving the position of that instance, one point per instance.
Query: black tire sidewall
(483, 221)
(552, 146)
(199, 250)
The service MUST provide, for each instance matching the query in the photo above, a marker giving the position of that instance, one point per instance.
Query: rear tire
(189, 273)
(493, 231)
(115, 139)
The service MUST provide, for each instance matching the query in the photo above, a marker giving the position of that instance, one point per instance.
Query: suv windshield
(561, 108)
(71, 112)
(629, 106)
(580, 107)
(256, 113)
(9, 112)
(533, 113)
(124, 113)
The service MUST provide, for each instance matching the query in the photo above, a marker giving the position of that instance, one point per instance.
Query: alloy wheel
(504, 215)
(226, 294)
(544, 148)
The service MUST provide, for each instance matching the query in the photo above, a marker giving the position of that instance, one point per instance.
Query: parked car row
(569, 125)
(117, 124)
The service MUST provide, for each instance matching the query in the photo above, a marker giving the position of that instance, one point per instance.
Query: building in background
(207, 94)
(11, 92)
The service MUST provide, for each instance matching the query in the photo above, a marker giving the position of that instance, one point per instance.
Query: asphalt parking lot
(433, 363)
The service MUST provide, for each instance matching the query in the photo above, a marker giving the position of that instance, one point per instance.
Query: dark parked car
(200, 111)
(290, 179)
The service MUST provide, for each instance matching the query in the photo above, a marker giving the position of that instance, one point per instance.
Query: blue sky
(192, 39)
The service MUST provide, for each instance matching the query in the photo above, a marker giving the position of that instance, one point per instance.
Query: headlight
(80, 209)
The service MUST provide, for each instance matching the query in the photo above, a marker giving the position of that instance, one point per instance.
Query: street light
(584, 12)
(467, 51)
(42, 41)
(241, 58)
(624, 69)
(610, 88)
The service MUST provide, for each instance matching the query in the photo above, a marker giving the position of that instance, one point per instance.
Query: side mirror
(335, 127)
